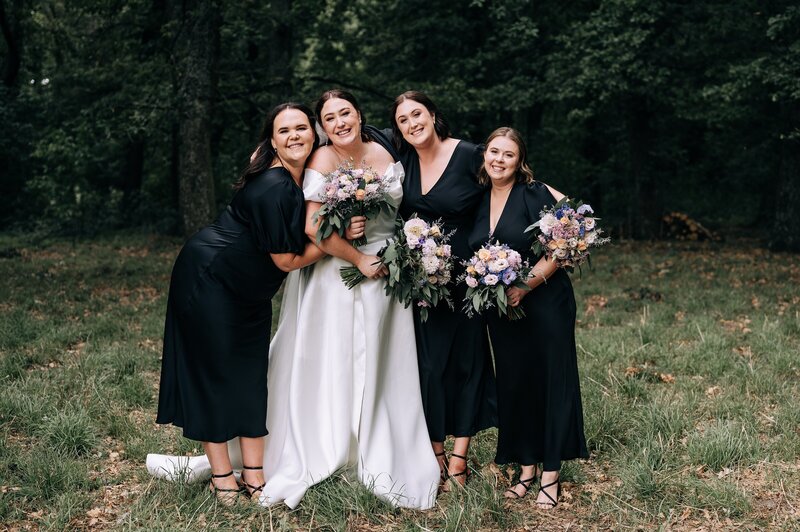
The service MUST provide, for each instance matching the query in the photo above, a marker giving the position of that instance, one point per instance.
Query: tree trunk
(12, 34)
(644, 213)
(280, 56)
(132, 174)
(198, 41)
(785, 233)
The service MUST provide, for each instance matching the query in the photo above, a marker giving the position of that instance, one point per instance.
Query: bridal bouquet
(566, 232)
(493, 269)
(349, 191)
(420, 265)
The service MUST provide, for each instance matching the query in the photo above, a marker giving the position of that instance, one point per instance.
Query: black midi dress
(219, 312)
(538, 392)
(455, 367)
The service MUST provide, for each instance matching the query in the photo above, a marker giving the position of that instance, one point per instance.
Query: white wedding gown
(344, 385)
(344, 392)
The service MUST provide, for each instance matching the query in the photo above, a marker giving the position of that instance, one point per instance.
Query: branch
(346, 85)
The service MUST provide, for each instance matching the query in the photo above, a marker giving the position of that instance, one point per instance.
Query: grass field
(690, 369)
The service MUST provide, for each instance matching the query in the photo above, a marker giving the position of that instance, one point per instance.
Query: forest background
(141, 113)
(123, 125)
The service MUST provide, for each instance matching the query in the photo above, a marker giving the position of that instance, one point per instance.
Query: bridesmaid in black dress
(219, 311)
(458, 389)
(539, 400)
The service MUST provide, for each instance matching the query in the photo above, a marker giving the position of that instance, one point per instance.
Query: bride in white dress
(344, 393)
(343, 377)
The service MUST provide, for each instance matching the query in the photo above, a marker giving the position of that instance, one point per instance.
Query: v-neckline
(444, 171)
(493, 230)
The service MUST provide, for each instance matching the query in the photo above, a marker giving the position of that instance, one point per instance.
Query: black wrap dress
(219, 312)
(538, 392)
(455, 367)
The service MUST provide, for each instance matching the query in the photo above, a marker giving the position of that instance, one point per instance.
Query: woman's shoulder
(543, 187)
(466, 145)
(274, 180)
(540, 192)
(323, 160)
(467, 155)
(383, 138)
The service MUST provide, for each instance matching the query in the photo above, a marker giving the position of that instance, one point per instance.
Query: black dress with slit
(538, 393)
(455, 366)
(219, 312)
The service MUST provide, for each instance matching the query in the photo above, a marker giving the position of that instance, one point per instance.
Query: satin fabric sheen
(344, 384)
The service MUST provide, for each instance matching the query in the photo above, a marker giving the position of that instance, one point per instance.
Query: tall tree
(198, 51)
(11, 30)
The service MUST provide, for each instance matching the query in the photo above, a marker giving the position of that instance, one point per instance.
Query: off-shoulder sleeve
(277, 217)
(313, 186)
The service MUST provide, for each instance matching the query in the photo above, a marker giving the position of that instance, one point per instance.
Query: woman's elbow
(286, 268)
(284, 261)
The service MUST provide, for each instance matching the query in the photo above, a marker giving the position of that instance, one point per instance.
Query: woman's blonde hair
(524, 173)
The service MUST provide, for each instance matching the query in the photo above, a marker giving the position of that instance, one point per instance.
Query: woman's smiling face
(340, 121)
(501, 160)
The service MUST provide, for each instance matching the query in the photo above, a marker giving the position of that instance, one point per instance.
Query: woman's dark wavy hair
(524, 174)
(440, 124)
(344, 95)
(265, 153)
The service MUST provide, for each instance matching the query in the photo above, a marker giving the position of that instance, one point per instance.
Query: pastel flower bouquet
(349, 191)
(566, 232)
(420, 265)
(493, 269)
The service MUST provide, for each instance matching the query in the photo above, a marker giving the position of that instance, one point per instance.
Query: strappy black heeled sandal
(552, 503)
(250, 489)
(466, 473)
(525, 483)
(226, 496)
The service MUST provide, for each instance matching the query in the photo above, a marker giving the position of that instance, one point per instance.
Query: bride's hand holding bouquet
(350, 191)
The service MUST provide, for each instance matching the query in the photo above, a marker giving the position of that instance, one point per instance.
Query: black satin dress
(219, 312)
(538, 393)
(455, 366)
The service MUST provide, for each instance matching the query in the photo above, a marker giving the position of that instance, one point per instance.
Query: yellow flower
(360, 194)
(470, 270)
(581, 245)
(502, 254)
(435, 231)
(564, 220)
(484, 254)
(552, 244)
(561, 243)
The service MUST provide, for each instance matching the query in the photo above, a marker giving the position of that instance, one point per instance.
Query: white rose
(547, 223)
(491, 279)
(430, 263)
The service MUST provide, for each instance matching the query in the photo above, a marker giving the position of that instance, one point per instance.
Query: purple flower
(509, 277)
(583, 209)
